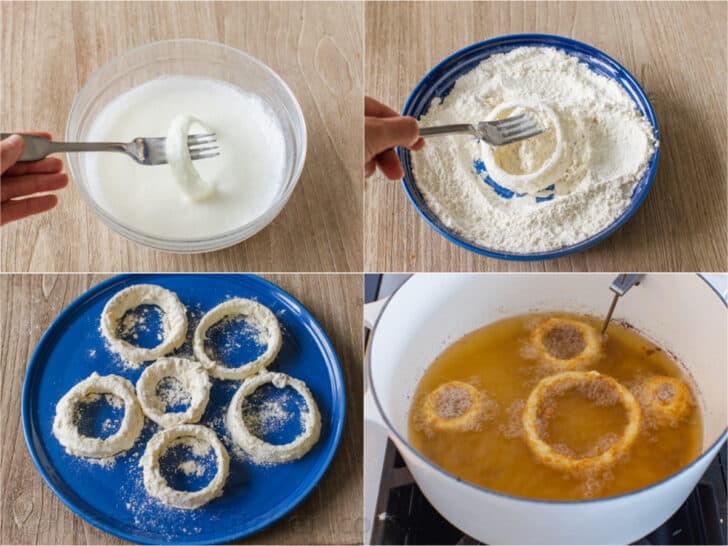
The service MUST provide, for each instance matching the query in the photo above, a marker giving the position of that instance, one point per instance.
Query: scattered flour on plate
(172, 392)
(267, 416)
(192, 468)
(607, 145)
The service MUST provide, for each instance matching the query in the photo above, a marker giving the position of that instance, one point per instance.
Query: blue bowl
(438, 83)
(114, 499)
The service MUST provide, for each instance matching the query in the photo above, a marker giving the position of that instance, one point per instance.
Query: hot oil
(499, 360)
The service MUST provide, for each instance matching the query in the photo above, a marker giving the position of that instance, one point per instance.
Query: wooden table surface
(31, 514)
(676, 50)
(49, 51)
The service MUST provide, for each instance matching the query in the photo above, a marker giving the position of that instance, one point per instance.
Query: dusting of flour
(610, 142)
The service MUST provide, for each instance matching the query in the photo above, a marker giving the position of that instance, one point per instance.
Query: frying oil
(499, 360)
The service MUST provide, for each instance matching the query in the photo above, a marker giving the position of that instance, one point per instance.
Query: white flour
(607, 145)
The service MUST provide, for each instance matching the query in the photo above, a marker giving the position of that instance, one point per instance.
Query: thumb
(384, 133)
(11, 149)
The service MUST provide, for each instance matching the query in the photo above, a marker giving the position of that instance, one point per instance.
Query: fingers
(417, 146)
(382, 134)
(11, 149)
(20, 186)
(17, 209)
(377, 109)
(49, 165)
(38, 133)
(388, 163)
(369, 168)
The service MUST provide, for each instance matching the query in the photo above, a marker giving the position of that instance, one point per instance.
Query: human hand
(20, 180)
(383, 130)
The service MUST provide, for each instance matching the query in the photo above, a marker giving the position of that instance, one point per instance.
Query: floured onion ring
(174, 321)
(566, 343)
(548, 171)
(453, 406)
(570, 380)
(66, 429)
(254, 312)
(665, 400)
(178, 157)
(260, 451)
(194, 380)
(157, 486)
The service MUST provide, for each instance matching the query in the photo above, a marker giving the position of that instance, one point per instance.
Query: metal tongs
(620, 286)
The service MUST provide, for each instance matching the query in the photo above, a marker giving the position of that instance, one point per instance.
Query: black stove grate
(404, 516)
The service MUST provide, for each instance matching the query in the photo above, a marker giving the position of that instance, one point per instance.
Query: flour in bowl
(547, 192)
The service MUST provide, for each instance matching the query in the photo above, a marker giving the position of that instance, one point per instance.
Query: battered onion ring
(157, 486)
(260, 451)
(568, 380)
(179, 160)
(468, 420)
(254, 312)
(592, 343)
(194, 379)
(174, 321)
(66, 430)
(665, 400)
(535, 181)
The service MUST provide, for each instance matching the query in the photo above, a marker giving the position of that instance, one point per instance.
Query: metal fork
(147, 151)
(496, 133)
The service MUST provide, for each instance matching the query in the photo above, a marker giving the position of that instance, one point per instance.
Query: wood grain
(50, 49)
(31, 514)
(676, 50)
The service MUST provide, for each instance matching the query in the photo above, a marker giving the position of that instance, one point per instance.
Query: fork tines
(518, 127)
(203, 146)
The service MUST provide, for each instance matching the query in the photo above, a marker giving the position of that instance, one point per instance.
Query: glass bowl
(197, 58)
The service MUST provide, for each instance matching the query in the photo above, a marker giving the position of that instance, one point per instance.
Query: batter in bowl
(244, 179)
(550, 191)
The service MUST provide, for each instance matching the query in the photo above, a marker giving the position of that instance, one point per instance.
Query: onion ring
(174, 321)
(569, 380)
(560, 330)
(194, 379)
(260, 315)
(455, 420)
(66, 430)
(665, 400)
(260, 451)
(157, 486)
(535, 181)
(179, 160)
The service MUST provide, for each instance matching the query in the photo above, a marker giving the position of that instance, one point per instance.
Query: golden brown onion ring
(580, 344)
(665, 400)
(444, 408)
(566, 381)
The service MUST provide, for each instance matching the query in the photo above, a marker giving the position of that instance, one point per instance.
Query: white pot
(679, 312)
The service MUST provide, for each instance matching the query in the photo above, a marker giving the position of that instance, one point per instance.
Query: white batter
(596, 148)
(245, 177)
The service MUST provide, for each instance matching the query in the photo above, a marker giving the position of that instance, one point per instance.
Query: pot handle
(371, 412)
(372, 310)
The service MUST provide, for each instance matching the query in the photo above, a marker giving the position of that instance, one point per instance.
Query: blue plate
(438, 83)
(113, 499)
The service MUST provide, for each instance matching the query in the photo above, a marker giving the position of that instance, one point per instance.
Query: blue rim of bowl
(449, 64)
(90, 518)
